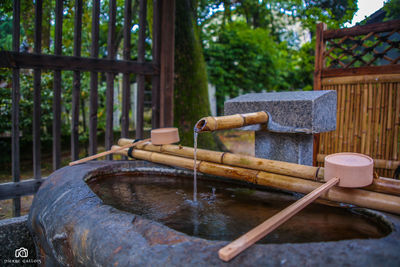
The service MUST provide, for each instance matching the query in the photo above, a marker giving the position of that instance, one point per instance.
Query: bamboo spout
(208, 124)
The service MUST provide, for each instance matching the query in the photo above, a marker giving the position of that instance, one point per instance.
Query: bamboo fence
(359, 197)
(368, 119)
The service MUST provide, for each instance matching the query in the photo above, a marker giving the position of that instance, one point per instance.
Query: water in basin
(226, 210)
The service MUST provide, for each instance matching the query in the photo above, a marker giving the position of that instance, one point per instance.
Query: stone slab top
(290, 112)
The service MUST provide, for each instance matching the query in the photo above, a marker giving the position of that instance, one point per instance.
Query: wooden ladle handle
(102, 154)
(231, 250)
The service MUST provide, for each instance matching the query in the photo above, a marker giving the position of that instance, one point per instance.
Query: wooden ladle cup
(161, 136)
(342, 169)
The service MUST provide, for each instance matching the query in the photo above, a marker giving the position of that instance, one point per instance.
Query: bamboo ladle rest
(343, 169)
(161, 136)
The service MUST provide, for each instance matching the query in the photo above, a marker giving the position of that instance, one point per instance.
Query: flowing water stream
(196, 134)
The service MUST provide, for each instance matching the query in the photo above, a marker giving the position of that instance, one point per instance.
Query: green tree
(191, 91)
(242, 60)
(392, 8)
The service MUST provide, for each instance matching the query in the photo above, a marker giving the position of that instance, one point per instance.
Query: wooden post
(36, 91)
(155, 83)
(167, 63)
(57, 88)
(94, 53)
(140, 78)
(76, 89)
(126, 84)
(110, 78)
(15, 169)
(319, 64)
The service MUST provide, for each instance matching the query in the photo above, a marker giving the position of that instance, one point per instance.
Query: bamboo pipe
(359, 197)
(387, 186)
(274, 166)
(229, 122)
(105, 153)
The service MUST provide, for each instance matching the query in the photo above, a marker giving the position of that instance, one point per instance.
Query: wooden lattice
(371, 49)
(362, 65)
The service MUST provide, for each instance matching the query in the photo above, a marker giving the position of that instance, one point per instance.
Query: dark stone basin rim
(65, 213)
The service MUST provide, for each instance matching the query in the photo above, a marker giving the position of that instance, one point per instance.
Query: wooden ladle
(161, 136)
(342, 169)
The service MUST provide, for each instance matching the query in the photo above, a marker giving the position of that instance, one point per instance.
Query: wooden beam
(155, 83)
(94, 53)
(109, 136)
(167, 63)
(57, 88)
(15, 148)
(362, 30)
(126, 82)
(319, 64)
(37, 91)
(24, 188)
(370, 70)
(76, 87)
(140, 78)
(10, 59)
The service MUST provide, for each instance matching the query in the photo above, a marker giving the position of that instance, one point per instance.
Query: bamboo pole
(248, 162)
(369, 126)
(396, 126)
(342, 117)
(381, 124)
(229, 122)
(358, 122)
(350, 136)
(108, 152)
(274, 166)
(364, 120)
(359, 197)
(388, 134)
(375, 122)
(346, 121)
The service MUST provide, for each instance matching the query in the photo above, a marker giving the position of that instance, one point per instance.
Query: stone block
(294, 118)
(298, 111)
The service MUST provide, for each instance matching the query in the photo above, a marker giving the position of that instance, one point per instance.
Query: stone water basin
(137, 213)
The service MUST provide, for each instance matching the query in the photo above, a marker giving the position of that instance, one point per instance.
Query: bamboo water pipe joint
(230, 122)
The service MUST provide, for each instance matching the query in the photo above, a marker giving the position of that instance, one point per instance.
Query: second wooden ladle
(342, 169)
(161, 136)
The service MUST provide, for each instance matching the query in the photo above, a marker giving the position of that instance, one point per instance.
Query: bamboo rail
(229, 122)
(386, 186)
(359, 197)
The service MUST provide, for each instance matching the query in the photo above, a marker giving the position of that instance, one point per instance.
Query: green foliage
(253, 46)
(392, 8)
(191, 91)
(242, 59)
